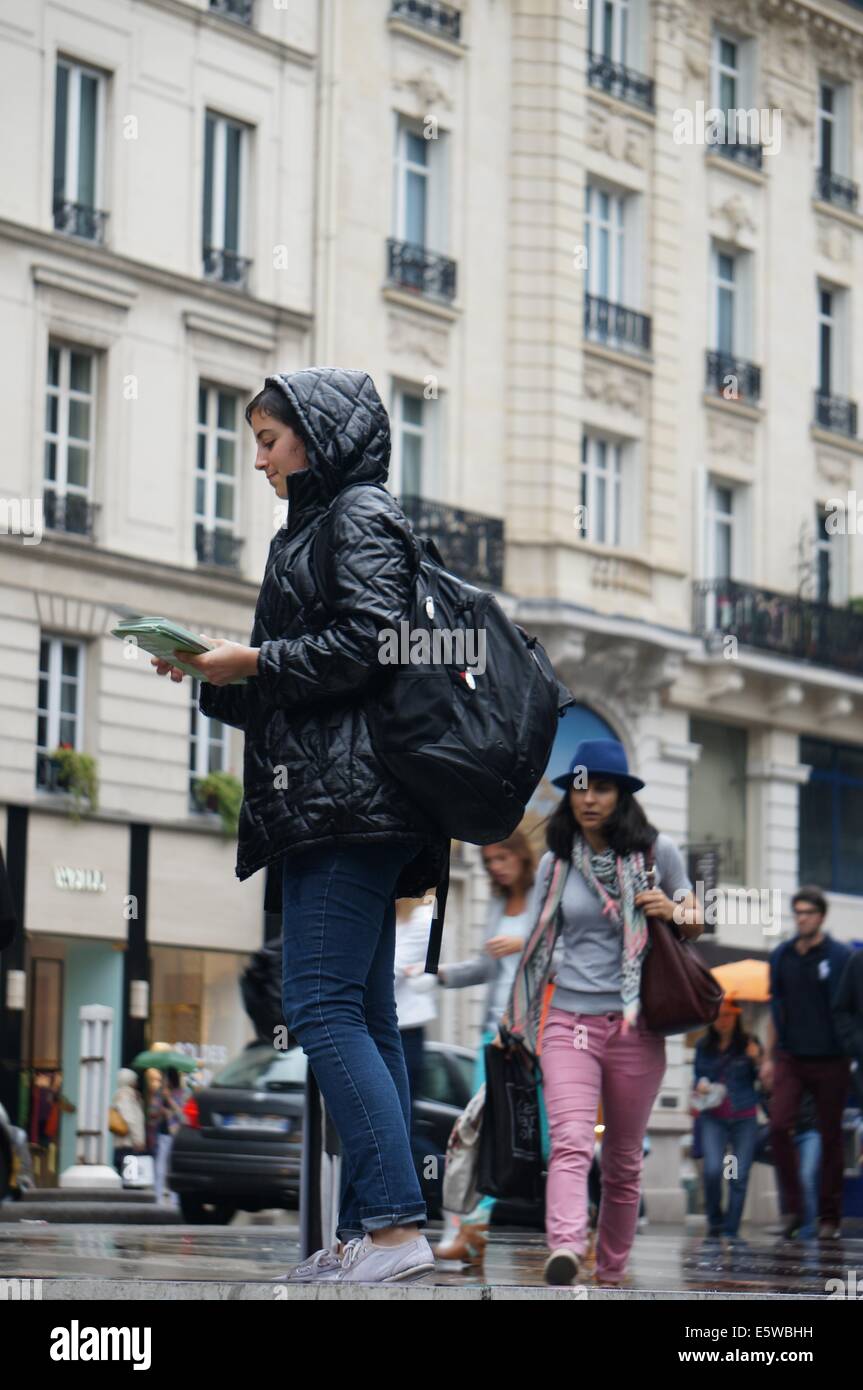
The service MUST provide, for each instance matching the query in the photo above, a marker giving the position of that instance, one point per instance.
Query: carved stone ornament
(834, 239)
(614, 136)
(426, 89)
(613, 386)
(834, 467)
(737, 215)
(730, 438)
(408, 337)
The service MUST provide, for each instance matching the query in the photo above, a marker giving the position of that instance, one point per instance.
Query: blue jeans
(715, 1136)
(338, 999)
(808, 1146)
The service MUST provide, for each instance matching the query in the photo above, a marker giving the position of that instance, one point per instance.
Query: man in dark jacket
(848, 1015)
(805, 973)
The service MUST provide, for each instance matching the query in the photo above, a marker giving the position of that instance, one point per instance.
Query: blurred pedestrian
(127, 1104)
(511, 870)
(804, 1049)
(414, 988)
(848, 1017)
(807, 1142)
(596, 1044)
(725, 1091)
(173, 1097)
(344, 836)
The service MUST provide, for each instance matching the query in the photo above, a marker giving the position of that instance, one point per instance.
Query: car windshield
(265, 1069)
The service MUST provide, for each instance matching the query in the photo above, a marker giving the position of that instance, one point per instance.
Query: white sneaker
(364, 1262)
(324, 1264)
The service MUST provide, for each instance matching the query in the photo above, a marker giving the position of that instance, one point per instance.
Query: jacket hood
(126, 1077)
(346, 431)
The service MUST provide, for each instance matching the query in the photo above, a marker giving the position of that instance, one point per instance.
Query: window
(69, 437)
(831, 816)
(79, 114)
(601, 479)
(733, 87)
(224, 240)
(605, 220)
(420, 185)
(717, 794)
(609, 29)
(826, 337)
(60, 703)
(726, 515)
(216, 500)
(725, 291)
(826, 126)
(830, 562)
(416, 470)
(208, 745)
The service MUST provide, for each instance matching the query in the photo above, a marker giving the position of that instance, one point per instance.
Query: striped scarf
(615, 880)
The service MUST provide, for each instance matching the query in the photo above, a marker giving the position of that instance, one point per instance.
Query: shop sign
(79, 880)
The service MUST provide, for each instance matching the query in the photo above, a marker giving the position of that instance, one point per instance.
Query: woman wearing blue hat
(606, 870)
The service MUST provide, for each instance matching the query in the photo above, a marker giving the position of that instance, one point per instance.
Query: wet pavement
(103, 1262)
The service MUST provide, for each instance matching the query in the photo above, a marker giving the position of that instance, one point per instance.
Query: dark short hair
(810, 894)
(272, 401)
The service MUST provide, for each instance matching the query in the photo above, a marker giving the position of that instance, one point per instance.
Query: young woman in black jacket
(318, 803)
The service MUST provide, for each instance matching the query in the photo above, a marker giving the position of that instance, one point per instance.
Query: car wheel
(196, 1212)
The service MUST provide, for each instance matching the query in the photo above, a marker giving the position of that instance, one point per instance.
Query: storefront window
(195, 1005)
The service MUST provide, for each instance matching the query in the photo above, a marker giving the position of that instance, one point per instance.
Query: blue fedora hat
(600, 757)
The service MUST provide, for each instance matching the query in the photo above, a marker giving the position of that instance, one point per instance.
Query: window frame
(212, 431)
(219, 188)
(613, 474)
(65, 394)
(72, 161)
(836, 780)
(53, 712)
(201, 741)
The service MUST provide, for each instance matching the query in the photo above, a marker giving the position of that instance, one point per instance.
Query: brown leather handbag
(678, 992)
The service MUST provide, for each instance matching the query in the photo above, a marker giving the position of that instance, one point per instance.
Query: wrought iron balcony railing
(620, 81)
(441, 19)
(835, 188)
(783, 624)
(228, 267)
(77, 219)
(470, 544)
(836, 413)
(69, 512)
(615, 325)
(217, 547)
(412, 267)
(233, 9)
(745, 152)
(733, 377)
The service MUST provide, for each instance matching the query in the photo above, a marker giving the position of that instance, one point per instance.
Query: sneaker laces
(352, 1251)
(327, 1256)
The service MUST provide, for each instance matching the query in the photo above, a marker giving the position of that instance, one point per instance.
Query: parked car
(241, 1146)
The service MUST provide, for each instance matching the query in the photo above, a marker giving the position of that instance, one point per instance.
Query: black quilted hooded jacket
(310, 774)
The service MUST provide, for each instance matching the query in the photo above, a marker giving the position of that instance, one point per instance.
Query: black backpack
(469, 744)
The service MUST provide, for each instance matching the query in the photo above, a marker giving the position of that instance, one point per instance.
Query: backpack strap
(316, 558)
(436, 933)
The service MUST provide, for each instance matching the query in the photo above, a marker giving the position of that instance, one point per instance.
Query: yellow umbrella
(747, 980)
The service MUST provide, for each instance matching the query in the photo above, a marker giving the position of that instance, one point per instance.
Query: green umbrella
(163, 1061)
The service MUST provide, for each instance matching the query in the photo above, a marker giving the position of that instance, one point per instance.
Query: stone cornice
(243, 33)
(142, 272)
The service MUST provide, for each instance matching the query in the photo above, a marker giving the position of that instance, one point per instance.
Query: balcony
(836, 189)
(615, 326)
(241, 10)
(836, 414)
(218, 547)
(439, 19)
(724, 373)
(412, 267)
(471, 545)
(228, 267)
(744, 152)
(69, 512)
(620, 81)
(77, 219)
(783, 624)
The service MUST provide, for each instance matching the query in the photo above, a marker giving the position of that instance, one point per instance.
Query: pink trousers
(585, 1056)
